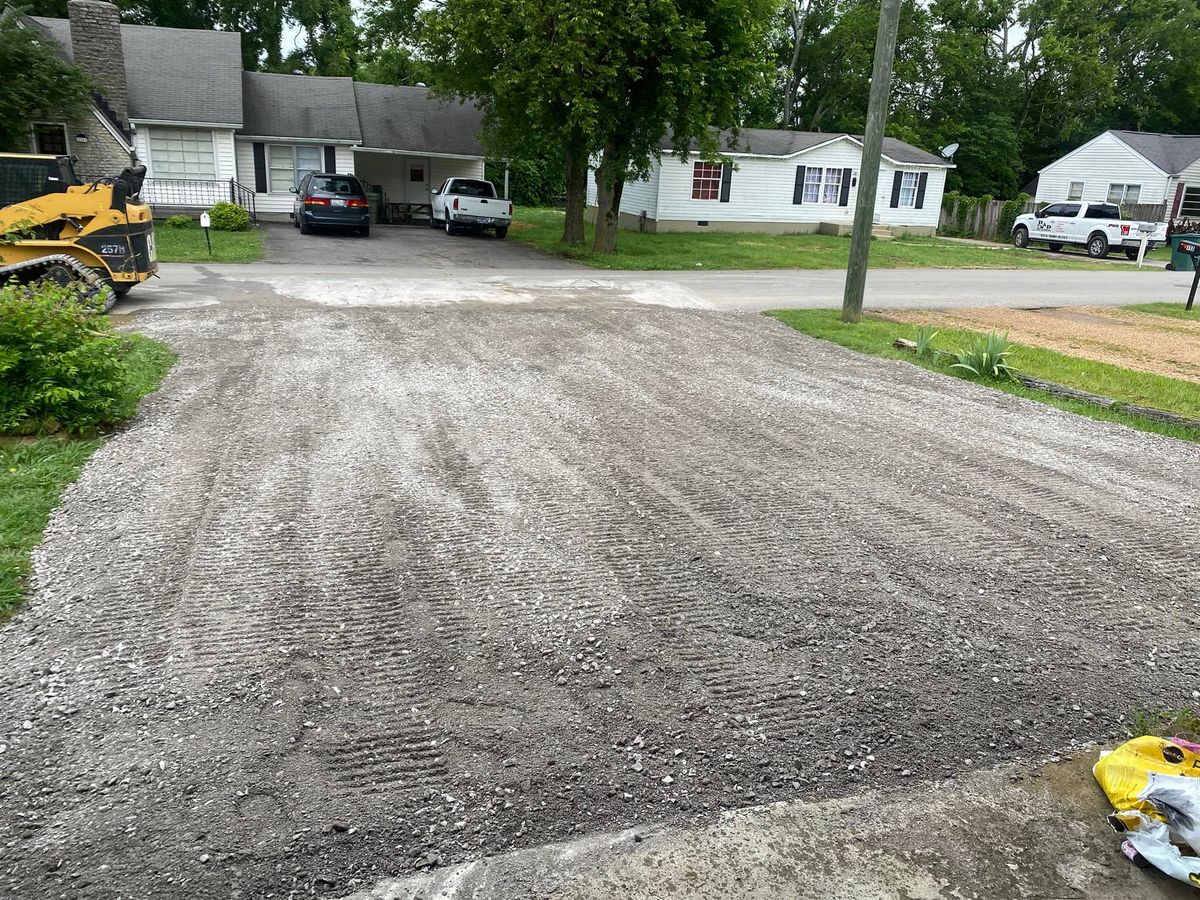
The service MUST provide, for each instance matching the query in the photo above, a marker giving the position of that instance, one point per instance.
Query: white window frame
(1189, 204)
(909, 185)
(34, 126)
(823, 185)
(156, 163)
(1074, 195)
(297, 173)
(1123, 193)
(705, 182)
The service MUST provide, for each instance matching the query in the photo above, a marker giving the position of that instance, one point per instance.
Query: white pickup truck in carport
(1097, 227)
(470, 204)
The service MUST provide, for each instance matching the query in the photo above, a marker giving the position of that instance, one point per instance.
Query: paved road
(365, 590)
(495, 275)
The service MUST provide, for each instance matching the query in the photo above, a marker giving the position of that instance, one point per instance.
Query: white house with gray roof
(1130, 167)
(785, 181)
(178, 101)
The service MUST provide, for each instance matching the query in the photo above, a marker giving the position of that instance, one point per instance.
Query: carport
(411, 144)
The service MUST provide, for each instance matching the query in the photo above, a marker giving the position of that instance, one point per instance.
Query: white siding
(931, 207)
(1103, 161)
(762, 190)
(638, 197)
(226, 155)
(279, 203)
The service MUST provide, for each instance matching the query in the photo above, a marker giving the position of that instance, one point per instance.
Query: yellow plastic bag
(1154, 787)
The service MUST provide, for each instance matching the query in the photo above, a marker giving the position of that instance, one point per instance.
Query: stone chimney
(96, 45)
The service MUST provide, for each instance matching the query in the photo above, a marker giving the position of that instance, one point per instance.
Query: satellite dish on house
(949, 150)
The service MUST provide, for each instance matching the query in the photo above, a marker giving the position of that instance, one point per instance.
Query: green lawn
(186, 245)
(34, 473)
(1173, 310)
(542, 228)
(875, 336)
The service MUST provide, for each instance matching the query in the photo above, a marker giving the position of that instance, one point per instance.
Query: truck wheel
(1097, 246)
(1055, 248)
(502, 233)
(450, 229)
(1021, 237)
(1131, 254)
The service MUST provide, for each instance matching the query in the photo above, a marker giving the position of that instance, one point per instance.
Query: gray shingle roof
(775, 142)
(1170, 152)
(174, 74)
(408, 118)
(300, 106)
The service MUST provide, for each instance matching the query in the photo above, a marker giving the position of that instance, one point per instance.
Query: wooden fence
(982, 220)
(975, 220)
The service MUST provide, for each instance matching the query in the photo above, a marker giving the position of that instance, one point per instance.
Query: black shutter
(330, 160)
(798, 192)
(844, 200)
(726, 180)
(897, 180)
(921, 182)
(260, 167)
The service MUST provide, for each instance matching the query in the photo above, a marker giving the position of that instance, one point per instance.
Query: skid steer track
(96, 288)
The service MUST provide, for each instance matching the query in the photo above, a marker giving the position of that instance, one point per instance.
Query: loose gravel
(365, 591)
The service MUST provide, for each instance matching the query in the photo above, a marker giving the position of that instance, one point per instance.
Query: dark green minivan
(331, 201)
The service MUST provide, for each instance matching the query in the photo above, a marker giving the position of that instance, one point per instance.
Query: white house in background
(177, 101)
(1129, 167)
(784, 181)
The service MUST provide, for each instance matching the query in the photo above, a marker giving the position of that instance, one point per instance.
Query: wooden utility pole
(868, 172)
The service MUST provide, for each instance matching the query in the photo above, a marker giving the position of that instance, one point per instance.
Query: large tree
(534, 68)
(679, 69)
(38, 83)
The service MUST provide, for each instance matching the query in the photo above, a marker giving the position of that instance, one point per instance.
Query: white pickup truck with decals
(1097, 227)
(470, 204)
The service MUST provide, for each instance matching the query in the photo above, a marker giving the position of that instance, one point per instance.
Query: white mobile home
(784, 181)
(1130, 167)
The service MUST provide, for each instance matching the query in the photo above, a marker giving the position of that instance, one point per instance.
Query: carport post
(506, 179)
(868, 172)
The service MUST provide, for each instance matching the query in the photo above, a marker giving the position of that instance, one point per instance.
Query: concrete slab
(1007, 833)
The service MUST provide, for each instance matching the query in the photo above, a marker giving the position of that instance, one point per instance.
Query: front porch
(187, 196)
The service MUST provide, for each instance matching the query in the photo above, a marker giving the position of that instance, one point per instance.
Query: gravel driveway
(365, 590)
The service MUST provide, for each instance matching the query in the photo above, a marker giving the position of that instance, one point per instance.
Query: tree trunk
(610, 185)
(576, 182)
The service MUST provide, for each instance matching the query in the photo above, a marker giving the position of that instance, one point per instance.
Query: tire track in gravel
(367, 590)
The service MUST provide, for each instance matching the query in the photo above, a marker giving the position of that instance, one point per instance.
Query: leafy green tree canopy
(38, 83)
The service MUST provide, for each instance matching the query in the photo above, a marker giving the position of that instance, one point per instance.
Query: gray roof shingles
(174, 74)
(408, 118)
(1170, 152)
(774, 142)
(300, 106)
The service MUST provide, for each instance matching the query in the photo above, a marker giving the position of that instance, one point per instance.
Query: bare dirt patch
(370, 590)
(1146, 343)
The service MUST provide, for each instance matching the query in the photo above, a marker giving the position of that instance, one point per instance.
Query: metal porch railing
(189, 193)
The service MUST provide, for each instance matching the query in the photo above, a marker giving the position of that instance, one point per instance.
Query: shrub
(228, 216)
(179, 222)
(1008, 215)
(986, 357)
(61, 366)
(925, 336)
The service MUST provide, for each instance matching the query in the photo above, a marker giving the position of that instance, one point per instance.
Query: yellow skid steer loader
(53, 228)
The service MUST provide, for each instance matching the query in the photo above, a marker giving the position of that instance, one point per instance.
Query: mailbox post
(205, 223)
(1192, 249)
